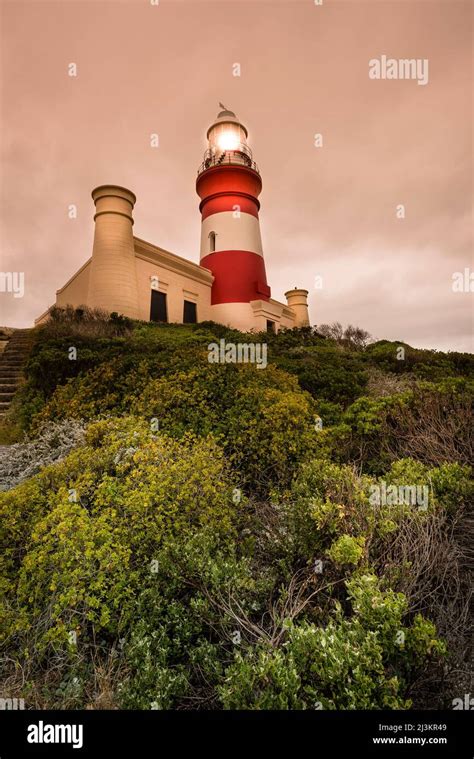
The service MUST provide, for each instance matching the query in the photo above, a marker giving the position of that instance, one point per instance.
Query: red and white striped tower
(229, 184)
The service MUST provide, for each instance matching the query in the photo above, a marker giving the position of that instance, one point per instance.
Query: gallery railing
(240, 156)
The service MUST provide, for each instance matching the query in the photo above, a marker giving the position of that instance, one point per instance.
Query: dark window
(158, 311)
(270, 326)
(189, 316)
(212, 242)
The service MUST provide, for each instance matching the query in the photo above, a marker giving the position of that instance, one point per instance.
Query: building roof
(171, 261)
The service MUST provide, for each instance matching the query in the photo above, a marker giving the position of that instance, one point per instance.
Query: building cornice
(151, 253)
(272, 308)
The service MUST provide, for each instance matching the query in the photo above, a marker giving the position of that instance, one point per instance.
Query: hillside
(184, 534)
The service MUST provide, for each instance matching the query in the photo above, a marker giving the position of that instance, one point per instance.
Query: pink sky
(328, 212)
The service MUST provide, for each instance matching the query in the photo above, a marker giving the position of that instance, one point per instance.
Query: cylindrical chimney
(298, 301)
(113, 277)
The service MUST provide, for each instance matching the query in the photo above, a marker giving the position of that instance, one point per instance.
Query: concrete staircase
(12, 361)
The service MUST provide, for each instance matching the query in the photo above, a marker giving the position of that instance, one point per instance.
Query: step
(8, 387)
(6, 397)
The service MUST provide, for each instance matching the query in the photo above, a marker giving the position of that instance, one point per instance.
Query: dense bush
(180, 534)
(356, 663)
(431, 423)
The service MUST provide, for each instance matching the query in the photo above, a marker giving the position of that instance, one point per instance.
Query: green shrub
(265, 421)
(352, 663)
(180, 640)
(453, 486)
(347, 550)
(327, 501)
(81, 534)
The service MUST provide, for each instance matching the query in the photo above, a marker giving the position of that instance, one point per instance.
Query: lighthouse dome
(224, 113)
(226, 120)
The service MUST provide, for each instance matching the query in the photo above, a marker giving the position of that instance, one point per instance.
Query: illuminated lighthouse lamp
(227, 141)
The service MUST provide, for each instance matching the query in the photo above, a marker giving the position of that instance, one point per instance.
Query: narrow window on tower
(212, 242)
(158, 310)
(189, 315)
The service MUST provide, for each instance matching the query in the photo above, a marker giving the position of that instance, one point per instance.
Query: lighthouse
(229, 185)
(138, 279)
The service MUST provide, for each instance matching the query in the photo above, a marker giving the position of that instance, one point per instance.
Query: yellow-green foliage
(329, 507)
(80, 537)
(265, 420)
(347, 550)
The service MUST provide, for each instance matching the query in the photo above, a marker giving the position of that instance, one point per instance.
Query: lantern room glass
(227, 144)
(226, 136)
